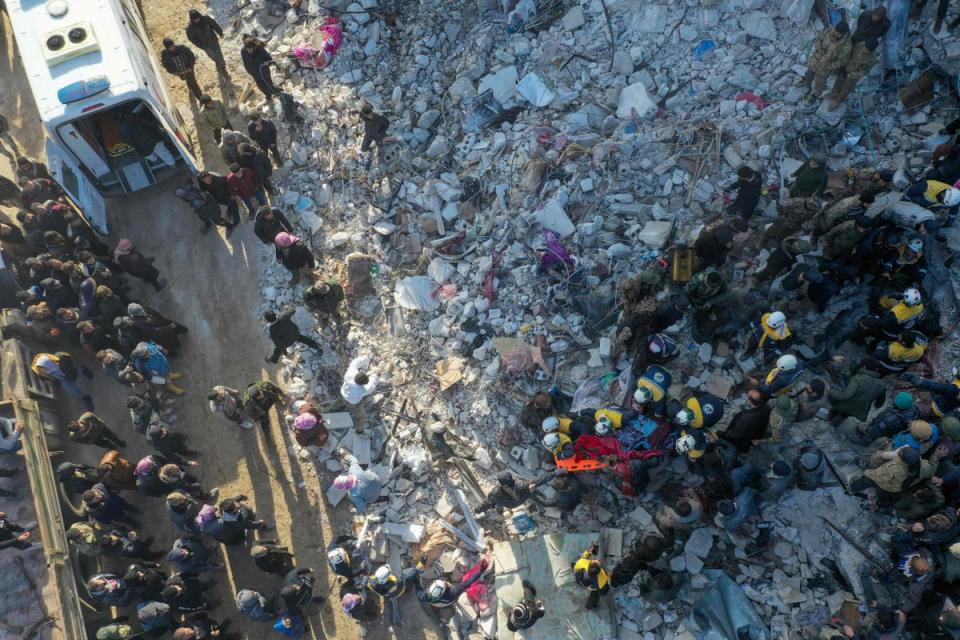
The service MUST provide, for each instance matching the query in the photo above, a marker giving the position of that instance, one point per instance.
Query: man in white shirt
(358, 383)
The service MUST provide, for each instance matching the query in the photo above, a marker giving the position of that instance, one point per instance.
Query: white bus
(97, 86)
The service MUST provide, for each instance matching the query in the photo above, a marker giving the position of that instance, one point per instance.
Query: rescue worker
(905, 258)
(701, 411)
(590, 574)
(772, 336)
(862, 58)
(651, 393)
(945, 396)
(694, 443)
(782, 378)
(558, 444)
(344, 557)
(892, 322)
(525, 613)
(704, 286)
(936, 196)
(507, 495)
(570, 427)
(442, 594)
(387, 585)
(607, 420)
(830, 51)
(902, 353)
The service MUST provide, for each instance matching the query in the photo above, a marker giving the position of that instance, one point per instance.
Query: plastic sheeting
(416, 292)
(723, 612)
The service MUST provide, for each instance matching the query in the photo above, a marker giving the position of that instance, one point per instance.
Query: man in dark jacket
(204, 32)
(13, 535)
(204, 205)
(712, 245)
(216, 185)
(810, 179)
(748, 187)
(184, 593)
(179, 60)
(264, 133)
(375, 127)
(255, 158)
(270, 557)
(256, 60)
(324, 297)
(269, 222)
(284, 332)
(871, 26)
(297, 590)
(750, 424)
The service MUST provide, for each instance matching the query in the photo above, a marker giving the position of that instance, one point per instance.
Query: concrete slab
(547, 566)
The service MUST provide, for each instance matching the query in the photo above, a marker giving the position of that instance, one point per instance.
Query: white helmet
(642, 395)
(787, 362)
(776, 320)
(338, 556)
(951, 197)
(551, 424)
(684, 417)
(911, 297)
(603, 426)
(915, 245)
(382, 575)
(437, 589)
(685, 443)
(551, 440)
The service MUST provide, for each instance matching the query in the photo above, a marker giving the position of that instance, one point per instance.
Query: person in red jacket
(244, 184)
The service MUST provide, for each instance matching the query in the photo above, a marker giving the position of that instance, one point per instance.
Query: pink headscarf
(349, 601)
(305, 422)
(124, 247)
(208, 513)
(284, 239)
(345, 483)
(145, 466)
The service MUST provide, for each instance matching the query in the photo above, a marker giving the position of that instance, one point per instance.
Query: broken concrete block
(338, 420)
(700, 542)
(334, 495)
(573, 19)
(641, 516)
(503, 83)
(759, 24)
(656, 234)
(410, 533)
(634, 99)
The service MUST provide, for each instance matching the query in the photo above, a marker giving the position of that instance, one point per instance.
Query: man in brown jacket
(116, 472)
(861, 61)
(213, 115)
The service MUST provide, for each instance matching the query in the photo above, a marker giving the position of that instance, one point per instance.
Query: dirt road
(213, 290)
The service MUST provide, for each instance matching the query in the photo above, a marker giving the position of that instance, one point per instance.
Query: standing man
(204, 32)
(179, 60)
(214, 115)
(6, 140)
(862, 59)
(216, 185)
(284, 333)
(375, 127)
(831, 50)
(256, 60)
(245, 184)
(264, 133)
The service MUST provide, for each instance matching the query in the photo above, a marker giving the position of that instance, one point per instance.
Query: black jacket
(750, 424)
(267, 136)
(255, 63)
(204, 33)
(296, 257)
(267, 230)
(284, 332)
(328, 302)
(180, 60)
(218, 188)
(191, 598)
(868, 30)
(748, 193)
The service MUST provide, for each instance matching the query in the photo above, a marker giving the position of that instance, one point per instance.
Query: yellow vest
(770, 333)
(904, 312)
(615, 417)
(694, 406)
(655, 389)
(771, 377)
(899, 353)
(584, 563)
(564, 440)
(564, 428)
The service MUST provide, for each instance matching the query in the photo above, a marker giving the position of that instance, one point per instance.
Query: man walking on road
(6, 140)
(204, 32)
(284, 332)
(179, 60)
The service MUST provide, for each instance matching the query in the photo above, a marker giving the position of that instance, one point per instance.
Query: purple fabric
(555, 252)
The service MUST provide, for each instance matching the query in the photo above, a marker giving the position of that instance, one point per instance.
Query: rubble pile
(527, 174)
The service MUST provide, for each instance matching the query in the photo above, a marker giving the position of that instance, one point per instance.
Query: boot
(174, 389)
(173, 375)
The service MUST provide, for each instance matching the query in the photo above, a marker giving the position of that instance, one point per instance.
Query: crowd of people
(855, 258)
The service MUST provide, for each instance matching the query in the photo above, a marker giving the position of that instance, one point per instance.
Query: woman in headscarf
(309, 431)
(137, 264)
(294, 255)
